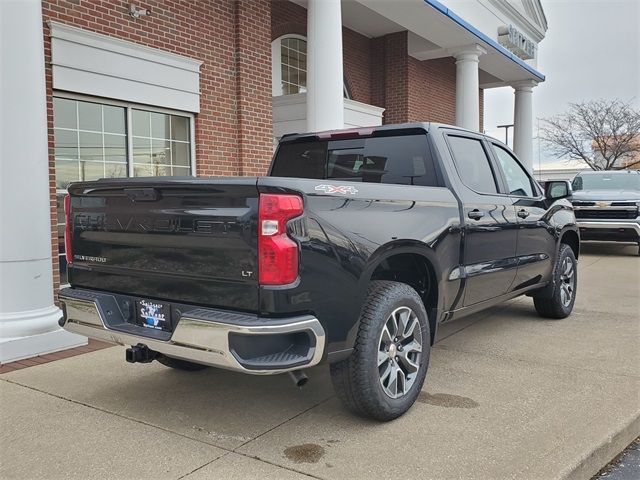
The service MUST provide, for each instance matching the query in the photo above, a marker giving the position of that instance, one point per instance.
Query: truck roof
(366, 131)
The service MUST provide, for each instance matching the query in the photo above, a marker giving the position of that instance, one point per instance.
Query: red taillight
(68, 251)
(277, 253)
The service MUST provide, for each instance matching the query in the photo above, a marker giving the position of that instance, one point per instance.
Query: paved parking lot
(508, 395)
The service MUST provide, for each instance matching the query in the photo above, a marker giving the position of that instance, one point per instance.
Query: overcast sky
(591, 50)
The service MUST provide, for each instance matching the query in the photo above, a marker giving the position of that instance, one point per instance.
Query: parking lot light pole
(506, 132)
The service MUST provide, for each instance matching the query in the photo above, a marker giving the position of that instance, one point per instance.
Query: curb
(606, 451)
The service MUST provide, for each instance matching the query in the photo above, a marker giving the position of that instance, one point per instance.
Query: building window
(160, 144)
(90, 141)
(293, 65)
(95, 140)
(289, 66)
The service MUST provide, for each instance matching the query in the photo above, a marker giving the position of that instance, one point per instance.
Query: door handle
(475, 214)
(523, 213)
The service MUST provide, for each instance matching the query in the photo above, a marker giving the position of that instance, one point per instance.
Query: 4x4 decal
(340, 189)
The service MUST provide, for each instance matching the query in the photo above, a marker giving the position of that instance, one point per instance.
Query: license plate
(153, 314)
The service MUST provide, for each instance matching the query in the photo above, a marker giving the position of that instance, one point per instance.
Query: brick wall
(377, 72)
(411, 90)
(396, 78)
(253, 76)
(432, 90)
(287, 18)
(233, 40)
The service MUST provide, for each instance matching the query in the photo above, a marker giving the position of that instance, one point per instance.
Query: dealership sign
(514, 40)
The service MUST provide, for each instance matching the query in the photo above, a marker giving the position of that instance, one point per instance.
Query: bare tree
(605, 134)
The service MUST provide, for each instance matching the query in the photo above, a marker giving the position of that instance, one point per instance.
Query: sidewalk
(508, 395)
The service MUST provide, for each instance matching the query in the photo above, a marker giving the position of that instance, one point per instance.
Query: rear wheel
(565, 276)
(385, 372)
(180, 364)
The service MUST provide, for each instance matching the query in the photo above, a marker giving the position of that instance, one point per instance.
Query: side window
(518, 181)
(300, 160)
(577, 183)
(473, 164)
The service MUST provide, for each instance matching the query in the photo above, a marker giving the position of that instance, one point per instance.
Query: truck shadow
(228, 409)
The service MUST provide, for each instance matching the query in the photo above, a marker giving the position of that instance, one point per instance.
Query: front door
(490, 232)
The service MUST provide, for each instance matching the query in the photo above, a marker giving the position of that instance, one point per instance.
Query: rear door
(536, 240)
(490, 232)
(191, 241)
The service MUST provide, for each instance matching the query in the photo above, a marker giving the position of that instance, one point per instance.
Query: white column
(523, 122)
(325, 97)
(28, 316)
(468, 86)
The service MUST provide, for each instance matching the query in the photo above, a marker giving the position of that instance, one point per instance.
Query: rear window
(403, 160)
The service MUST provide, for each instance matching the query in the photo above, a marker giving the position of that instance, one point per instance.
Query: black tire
(358, 380)
(556, 306)
(180, 364)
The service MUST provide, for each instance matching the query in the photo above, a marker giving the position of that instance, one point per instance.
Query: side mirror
(556, 189)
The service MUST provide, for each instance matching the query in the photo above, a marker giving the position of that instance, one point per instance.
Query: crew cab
(607, 205)
(351, 252)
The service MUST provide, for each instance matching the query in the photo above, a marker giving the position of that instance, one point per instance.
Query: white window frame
(276, 70)
(276, 64)
(129, 107)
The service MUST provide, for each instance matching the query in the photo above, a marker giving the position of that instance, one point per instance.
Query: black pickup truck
(351, 252)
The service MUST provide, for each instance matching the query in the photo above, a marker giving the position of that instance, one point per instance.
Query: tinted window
(518, 181)
(401, 160)
(472, 164)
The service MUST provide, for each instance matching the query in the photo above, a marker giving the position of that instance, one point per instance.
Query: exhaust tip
(299, 378)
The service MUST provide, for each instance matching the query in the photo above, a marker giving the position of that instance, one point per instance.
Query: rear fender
(385, 252)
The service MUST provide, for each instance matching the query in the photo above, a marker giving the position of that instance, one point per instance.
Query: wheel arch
(411, 263)
(572, 238)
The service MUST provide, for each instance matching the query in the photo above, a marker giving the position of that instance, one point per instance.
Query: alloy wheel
(567, 281)
(399, 352)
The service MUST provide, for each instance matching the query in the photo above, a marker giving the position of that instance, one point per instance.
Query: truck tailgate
(186, 240)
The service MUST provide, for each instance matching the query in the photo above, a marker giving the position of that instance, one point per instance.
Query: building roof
(485, 40)
(436, 31)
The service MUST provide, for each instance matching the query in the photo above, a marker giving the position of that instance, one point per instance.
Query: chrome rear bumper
(198, 336)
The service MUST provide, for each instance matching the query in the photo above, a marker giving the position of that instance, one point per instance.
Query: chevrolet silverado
(607, 205)
(351, 252)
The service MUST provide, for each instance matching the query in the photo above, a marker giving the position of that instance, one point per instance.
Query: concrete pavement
(508, 395)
